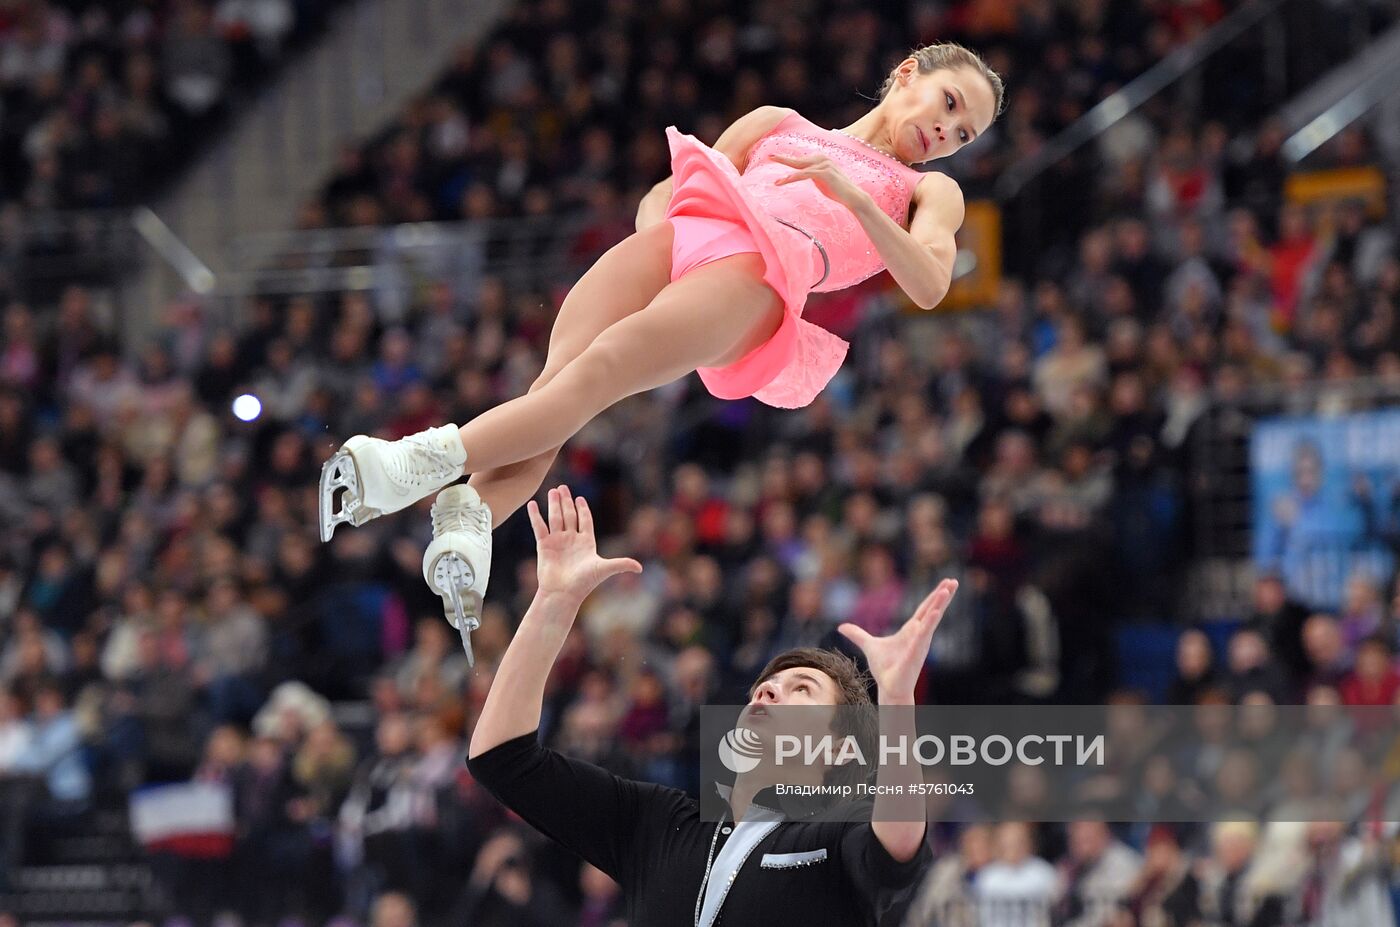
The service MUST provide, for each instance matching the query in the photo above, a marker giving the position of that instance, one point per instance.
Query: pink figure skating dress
(809, 243)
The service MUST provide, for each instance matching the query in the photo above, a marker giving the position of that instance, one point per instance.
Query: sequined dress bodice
(851, 254)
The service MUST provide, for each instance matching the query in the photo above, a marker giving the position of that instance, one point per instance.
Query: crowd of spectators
(98, 98)
(166, 611)
(1238, 872)
(563, 107)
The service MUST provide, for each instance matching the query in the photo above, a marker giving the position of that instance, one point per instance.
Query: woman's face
(1192, 654)
(934, 115)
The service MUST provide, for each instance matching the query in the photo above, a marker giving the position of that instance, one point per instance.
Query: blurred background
(1153, 432)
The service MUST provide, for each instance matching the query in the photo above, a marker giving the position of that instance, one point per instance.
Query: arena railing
(965, 911)
(393, 261)
(1282, 45)
(1171, 70)
(1373, 82)
(43, 252)
(373, 59)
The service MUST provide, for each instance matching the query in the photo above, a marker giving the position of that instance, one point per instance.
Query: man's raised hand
(569, 564)
(895, 661)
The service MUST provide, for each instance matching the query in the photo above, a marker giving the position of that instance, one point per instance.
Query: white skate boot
(379, 477)
(457, 564)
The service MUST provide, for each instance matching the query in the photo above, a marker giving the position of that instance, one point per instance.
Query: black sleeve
(1269, 913)
(880, 878)
(583, 807)
(884, 884)
(1183, 906)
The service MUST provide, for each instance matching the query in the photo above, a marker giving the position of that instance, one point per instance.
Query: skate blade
(452, 580)
(340, 475)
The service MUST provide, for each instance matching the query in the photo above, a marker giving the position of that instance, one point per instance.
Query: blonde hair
(1225, 830)
(946, 55)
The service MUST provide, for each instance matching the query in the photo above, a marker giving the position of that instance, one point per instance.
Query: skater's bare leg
(711, 317)
(624, 280)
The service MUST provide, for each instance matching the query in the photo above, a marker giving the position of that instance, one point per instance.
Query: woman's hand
(823, 172)
(895, 661)
(568, 561)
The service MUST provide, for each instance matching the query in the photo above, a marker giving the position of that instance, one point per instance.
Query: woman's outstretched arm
(734, 143)
(569, 569)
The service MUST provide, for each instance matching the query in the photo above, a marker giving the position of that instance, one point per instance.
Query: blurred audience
(166, 612)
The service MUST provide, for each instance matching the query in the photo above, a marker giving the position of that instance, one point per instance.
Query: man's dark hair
(857, 714)
(852, 682)
(1377, 640)
(48, 685)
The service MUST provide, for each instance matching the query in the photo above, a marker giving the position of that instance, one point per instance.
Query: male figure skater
(759, 867)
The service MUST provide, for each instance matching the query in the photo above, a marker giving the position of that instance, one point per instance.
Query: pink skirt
(714, 217)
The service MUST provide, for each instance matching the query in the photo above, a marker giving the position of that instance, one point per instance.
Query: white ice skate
(457, 564)
(376, 477)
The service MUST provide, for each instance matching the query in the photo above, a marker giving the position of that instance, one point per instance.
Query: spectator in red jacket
(1374, 681)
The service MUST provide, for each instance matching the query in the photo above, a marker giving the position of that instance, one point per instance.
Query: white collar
(756, 811)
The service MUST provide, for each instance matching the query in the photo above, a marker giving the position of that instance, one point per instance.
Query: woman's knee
(597, 367)
(547, 374)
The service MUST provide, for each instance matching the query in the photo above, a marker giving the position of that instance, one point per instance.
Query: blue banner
(1326, 501)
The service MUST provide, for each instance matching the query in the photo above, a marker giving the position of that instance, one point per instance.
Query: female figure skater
(725, 253)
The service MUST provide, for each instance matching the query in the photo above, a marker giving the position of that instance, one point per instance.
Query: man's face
(1234, 850)
(1013, 842)
(1307, 473)
(1372, 661)
(976, 846)
(796, 687)
(1269, 595)
(1322, 640)
(48, 703)
(1087, 840)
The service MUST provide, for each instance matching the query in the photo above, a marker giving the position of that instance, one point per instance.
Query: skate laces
(416, 461)
(469, 515)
